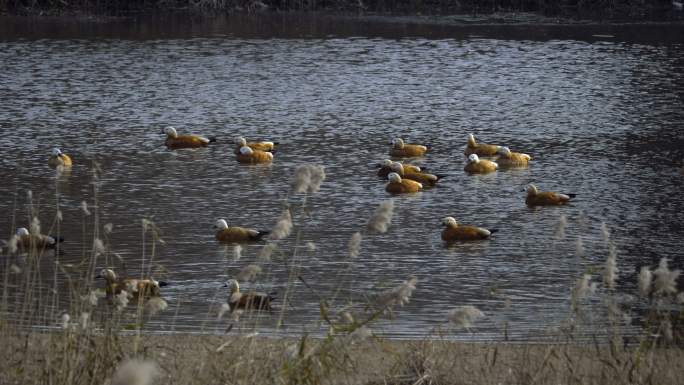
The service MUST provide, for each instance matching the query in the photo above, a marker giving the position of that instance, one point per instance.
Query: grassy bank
(72, 357)
(607, 9)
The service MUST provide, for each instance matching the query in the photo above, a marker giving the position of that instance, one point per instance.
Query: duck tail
(212, 139)
(571, 195)
(492, 231)
(261, 235)
(58, 239)
(440, 176)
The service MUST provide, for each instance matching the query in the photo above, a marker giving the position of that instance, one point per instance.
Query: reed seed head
(382, 217)
(283, 227)
(135, 372)
(308, 178)
(237, 252)
(610, 270)
(35, 226)
(645, 281)
(108, 228)
(248, 273)
(665, 279)
(121, 300)
(223, 310)
(399, 295)
(463, 317)
(354, 245)
(155, 305)
(84, 208)
(267, 251)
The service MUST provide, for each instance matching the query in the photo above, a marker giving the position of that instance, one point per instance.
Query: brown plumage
(386, 168)
(455, 232)
(58, 158)
(507, 158)
(476, 165)
(247, 155)
(25, 240)
(236, 234)
(545, 198)
(256, 146)
(247, 301)
(399, 149)
(397, 185)
(136, 288)
(480, 149)
(175, 141)
(427, 180)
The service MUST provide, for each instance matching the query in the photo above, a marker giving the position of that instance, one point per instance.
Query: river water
(599, 107)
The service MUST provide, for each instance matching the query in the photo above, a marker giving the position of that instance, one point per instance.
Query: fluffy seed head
(135, 372)
(237, 252)
(35, 226)
(382, 217)
(84, 208)
(267, 251)
(223, 310)
(464, 316)
(665, 279)
(399, 295)
(308, 178)
(645, 280)
(610, 270)
(121, 300)
(155, 304)
(248, 273)
(64, 320)
(354, 245)
(283, 227)
(583, 288)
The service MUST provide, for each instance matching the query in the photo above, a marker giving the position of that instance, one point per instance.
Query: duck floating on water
(175, 141)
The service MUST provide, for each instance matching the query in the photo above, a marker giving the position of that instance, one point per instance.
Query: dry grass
(96, 343)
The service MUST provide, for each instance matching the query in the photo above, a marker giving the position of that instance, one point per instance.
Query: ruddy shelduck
(480, 149)
(174, 141)
(58, 158)
(397, 185)
(26, 240)
(545, 198)
(423, 178)
(507, 158)
(476, 165)
(225, 233)
(258, 146)
(247, 155)
(386, 168)
(455, 232)
(135, 287)
(251, 300)
(400, 149)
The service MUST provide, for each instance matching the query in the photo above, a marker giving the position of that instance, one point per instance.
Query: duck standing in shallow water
(247, 301)
(26, 240)
(225, 233)
(476, 165)
(546, 198)
(397, 185)
(507, 158)
(481, 149)
(175, 141)
(402, 150)
(454, 232)
(257, 146)
(247, 155)
(58, 158)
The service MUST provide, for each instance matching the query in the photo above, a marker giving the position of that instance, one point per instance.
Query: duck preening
(235, 234)
(58, 158)
(546, 198)
(247, 301)
(174, 141)
(476, 165)
(397, 185)
(403, 150)
(453, 231)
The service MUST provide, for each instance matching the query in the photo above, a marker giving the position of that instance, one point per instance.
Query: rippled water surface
(602, 117)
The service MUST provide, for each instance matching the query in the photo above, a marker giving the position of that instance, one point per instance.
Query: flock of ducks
(402, 178)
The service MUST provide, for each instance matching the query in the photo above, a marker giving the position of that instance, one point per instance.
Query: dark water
(601, 116)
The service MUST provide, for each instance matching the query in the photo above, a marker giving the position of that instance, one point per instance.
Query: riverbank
(626, 10)
(73, 357)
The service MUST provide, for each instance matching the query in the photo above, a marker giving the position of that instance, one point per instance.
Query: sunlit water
(601, 117)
